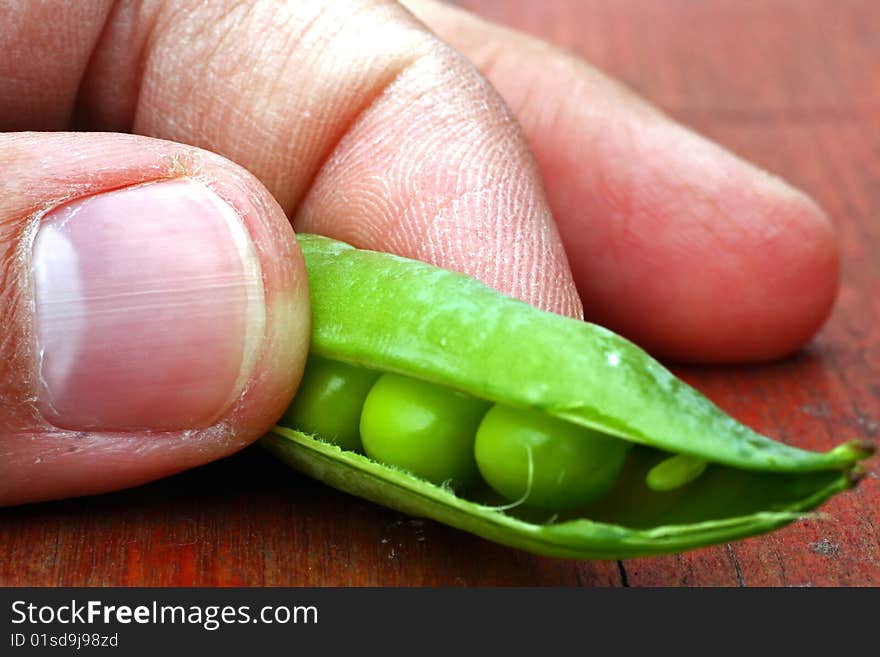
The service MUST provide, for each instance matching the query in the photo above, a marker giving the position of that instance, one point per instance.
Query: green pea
(422, 428)
(329, 400)
(548, 463)
(591, 394)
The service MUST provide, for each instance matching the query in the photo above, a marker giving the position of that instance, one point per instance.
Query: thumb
(153, 311)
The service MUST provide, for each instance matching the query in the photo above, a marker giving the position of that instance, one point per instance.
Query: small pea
(674, 472)
(571, 466)
(329, 400)
(423, 428)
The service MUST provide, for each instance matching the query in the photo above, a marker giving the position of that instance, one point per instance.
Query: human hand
(135, 345)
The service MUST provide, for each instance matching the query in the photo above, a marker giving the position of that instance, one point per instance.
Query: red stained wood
(791, 85)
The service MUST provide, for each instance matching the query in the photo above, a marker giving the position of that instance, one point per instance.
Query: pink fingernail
(149, 308)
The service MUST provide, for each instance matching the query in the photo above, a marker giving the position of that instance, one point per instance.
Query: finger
(672, 240)
(280, 87)
(362, 124)
(154, 311)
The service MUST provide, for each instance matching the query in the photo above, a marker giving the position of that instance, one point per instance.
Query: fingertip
(156, 316)
(753, 282)
(796, 278)
(787, 283)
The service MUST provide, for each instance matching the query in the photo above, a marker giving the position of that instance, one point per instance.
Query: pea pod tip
(852, 452)
(860, 449)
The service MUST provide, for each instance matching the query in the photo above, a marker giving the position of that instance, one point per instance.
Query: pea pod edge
(579, 538)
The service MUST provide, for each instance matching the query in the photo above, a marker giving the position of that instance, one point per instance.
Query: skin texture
(363, 124)
(397, 144)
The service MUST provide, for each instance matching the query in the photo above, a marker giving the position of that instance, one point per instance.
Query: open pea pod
(387, 314)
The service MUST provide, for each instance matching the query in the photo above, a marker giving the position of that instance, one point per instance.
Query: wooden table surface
(790, 84)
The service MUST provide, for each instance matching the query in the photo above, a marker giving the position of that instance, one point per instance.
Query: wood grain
(791, 85)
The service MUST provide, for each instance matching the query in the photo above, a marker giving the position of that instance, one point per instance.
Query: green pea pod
(389, 314)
